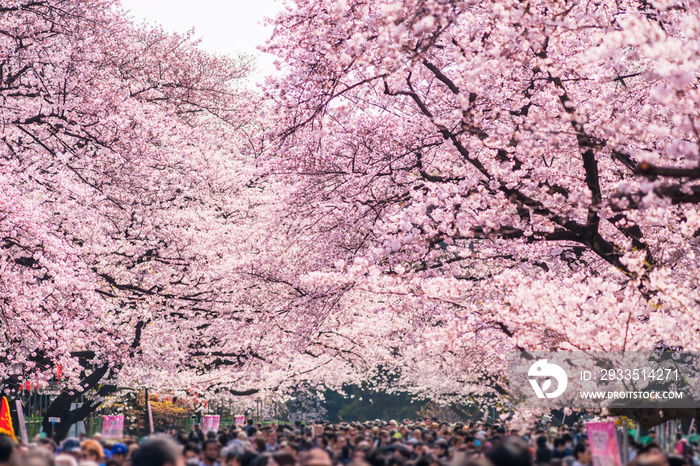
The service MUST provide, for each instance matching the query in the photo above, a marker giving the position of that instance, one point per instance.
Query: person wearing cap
(119, 451)
(71, 446)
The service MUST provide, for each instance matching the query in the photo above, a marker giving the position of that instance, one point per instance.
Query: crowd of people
(421, 442)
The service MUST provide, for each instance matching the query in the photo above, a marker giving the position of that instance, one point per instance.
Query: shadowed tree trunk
(61, 406)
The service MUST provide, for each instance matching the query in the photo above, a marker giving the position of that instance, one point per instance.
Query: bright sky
(225, 26)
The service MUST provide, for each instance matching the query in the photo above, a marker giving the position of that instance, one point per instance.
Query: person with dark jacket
(543, 454)
(196, 435)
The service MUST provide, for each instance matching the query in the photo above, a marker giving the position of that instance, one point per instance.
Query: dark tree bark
(61, 406)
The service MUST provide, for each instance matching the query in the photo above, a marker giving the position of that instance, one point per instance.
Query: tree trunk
(146, 417)
(61, 406)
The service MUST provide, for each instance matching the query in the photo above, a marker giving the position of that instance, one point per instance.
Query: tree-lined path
(426, 186)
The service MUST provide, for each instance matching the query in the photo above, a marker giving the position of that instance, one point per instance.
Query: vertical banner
(210, 423)
(150, 416)
(603, 440)
(22, 425)
(239, 420)
(6, 419)
(113, 426)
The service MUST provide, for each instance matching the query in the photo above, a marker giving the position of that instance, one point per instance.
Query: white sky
(225, 26)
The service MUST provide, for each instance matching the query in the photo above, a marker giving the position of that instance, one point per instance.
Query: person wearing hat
(119, 451)
(71, 446)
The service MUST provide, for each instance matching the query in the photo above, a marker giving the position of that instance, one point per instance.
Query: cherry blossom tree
(122, 181)
(132, 249)
(513, 175)
(450, 180)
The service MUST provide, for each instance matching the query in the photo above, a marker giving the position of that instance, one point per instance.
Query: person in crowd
(196, 434)
(373, 443)
(339, 448)
(210, 453)
(582, 454)
(91, 450)
(678, 460)
(259, 444)
(315, 457)
(48, 444)
(681, 446)
(441, 450)
(119, 451)
(281, 459)
(190, 451)
(159, 451)
(543, 454)
(512, 451)
(7, 449)
(271, 437)
(560, 449)
(650, 437)
(65, 460)
(238, 444)
(34, 456)
(71, 446)
(651, 457)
